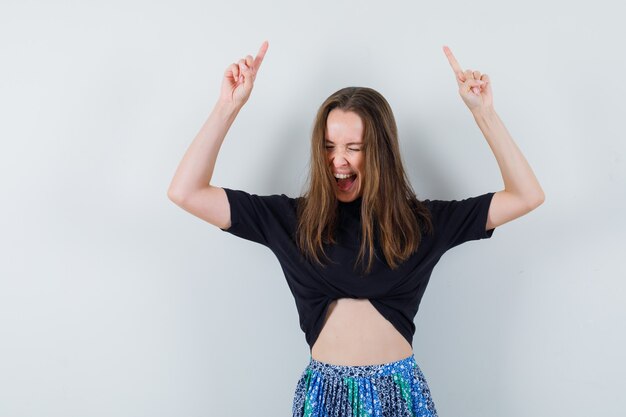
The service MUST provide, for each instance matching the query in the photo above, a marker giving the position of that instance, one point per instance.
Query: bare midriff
(355, 333)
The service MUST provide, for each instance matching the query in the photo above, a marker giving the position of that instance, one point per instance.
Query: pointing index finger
(260, 55)
(453, 62)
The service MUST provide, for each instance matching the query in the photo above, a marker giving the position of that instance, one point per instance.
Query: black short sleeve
(459, 221)
(256, 217)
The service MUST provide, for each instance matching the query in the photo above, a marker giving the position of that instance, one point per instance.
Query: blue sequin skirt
(394, 389)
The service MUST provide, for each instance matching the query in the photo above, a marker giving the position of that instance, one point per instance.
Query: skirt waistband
(328, 369)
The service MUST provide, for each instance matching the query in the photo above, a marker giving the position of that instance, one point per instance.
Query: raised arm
(190, 188)
(522, 192)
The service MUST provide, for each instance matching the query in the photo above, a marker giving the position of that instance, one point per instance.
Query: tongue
(344, 184)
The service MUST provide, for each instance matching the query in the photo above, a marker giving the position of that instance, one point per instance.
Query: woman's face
(344, 152)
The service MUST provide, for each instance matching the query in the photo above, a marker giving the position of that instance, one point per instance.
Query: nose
(339, 162)
(338, 158)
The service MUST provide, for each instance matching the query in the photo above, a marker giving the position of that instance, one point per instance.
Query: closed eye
(350, 149)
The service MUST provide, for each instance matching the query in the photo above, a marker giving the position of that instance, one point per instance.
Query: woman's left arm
(522, 192)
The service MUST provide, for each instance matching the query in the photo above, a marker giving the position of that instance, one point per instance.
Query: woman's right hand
(239, 79)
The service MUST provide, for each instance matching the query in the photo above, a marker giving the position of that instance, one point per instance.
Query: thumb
(470, 83)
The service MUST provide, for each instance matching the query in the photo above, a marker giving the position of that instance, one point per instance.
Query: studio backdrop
(116, 302)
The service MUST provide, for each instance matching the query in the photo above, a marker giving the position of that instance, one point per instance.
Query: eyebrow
(349, 143)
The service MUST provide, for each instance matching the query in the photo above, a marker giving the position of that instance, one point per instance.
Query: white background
(116, 302)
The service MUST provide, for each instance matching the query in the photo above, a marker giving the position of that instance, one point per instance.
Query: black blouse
(271, 221)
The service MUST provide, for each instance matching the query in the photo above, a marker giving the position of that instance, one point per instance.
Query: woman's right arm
(190, 188)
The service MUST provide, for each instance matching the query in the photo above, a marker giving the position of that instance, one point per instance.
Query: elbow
(537, 200)
(175, 196)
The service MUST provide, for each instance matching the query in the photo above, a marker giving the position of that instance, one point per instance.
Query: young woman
(358, 248)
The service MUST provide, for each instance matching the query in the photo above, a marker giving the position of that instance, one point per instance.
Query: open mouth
(345, 184)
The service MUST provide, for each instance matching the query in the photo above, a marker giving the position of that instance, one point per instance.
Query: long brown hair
(389, 206)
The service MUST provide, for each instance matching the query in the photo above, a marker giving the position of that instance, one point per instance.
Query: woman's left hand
(474, 87)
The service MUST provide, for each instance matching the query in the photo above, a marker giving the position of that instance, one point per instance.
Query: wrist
(486, 118)
(226, 110)
(484, 112)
